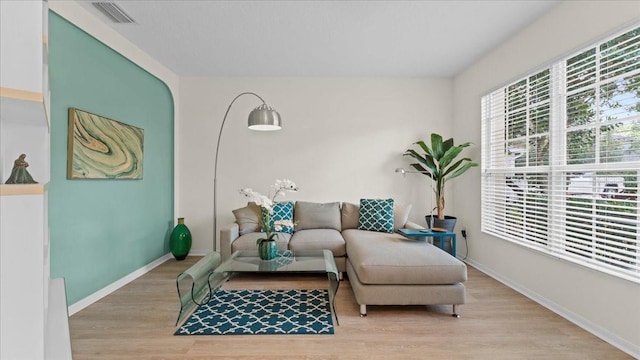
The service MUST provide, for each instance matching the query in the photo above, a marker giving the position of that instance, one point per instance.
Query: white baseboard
(74, 308)
(585, 324)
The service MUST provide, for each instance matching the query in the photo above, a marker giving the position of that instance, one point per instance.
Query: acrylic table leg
(334, 283)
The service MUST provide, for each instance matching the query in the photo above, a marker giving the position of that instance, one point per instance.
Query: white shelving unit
(29, 312)
(24, 87)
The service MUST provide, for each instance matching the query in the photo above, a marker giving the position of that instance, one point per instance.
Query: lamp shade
(264, 118)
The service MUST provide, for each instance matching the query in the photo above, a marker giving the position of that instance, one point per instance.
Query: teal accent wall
(102, 230)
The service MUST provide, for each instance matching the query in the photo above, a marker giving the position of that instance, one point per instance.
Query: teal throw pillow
(376, 215)
(281, 211)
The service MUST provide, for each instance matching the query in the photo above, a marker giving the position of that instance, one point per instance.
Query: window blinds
(561, 158)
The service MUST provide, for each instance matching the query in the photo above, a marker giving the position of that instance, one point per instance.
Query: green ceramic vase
(268, 250)
(180, 241)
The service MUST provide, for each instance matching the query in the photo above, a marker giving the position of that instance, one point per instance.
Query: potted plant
(440, 163)
(267, 247)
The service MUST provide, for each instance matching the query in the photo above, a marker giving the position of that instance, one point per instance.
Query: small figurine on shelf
(19, 173)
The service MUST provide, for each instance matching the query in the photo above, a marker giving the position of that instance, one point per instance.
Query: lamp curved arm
(224, 120)
(215, 167)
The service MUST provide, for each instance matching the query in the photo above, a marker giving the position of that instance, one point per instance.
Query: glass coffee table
(308, 261)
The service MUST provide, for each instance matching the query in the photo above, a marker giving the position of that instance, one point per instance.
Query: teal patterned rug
(248, 312)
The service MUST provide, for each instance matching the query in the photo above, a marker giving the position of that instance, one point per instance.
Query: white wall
(607, 306)
(342, 139)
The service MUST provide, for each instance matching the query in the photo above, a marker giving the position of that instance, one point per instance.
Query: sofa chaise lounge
(384, 268)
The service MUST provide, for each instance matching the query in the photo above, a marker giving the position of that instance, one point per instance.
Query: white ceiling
(321, 38)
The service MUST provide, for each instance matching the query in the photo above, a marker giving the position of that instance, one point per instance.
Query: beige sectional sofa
(383, 268)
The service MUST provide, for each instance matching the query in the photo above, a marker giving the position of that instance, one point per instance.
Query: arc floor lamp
(262, 118)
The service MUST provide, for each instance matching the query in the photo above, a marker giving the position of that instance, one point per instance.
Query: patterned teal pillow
(281, 211)
(376, 215)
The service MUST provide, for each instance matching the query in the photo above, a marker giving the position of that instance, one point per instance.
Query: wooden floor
(137, 322)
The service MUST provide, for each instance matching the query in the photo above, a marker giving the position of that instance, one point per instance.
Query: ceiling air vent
(113, 12)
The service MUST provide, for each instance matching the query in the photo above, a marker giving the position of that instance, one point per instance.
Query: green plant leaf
(451, 154)
(414, 154)
(455, 166)
(424, 160)
(461, 171)
(436, 146)
(448, 144)
(428, 151)
(422, 170)
(465, 145)
(431, 164)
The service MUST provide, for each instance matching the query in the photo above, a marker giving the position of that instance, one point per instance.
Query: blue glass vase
(268, 250)
(180, 241)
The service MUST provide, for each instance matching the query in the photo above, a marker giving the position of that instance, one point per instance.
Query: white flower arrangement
(258, 198)
(280, 188)
(278, 225)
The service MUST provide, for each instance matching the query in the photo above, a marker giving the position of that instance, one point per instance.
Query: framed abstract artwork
(101, 148)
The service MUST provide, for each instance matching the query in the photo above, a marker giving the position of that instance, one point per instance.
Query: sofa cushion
(248, 218)
(281, 211)
(376, 215)
(401, 215)
(248, 241)
(317, 239)
(309, 215)
(380, 258)
(351, 212)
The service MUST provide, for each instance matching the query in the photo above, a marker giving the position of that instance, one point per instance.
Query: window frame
(527, 219)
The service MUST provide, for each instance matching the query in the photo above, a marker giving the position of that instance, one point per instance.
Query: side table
(420, 233)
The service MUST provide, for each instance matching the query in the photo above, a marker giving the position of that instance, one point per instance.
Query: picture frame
(102, 148)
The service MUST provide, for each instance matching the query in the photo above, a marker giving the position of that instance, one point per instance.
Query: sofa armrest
(412, 225)
(228, 234)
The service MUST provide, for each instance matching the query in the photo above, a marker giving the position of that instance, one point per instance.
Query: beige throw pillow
(350, 214)
(309, 215)
(248, 218)
(401, 215)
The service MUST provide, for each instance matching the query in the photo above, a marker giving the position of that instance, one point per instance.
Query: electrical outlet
(464, 233)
